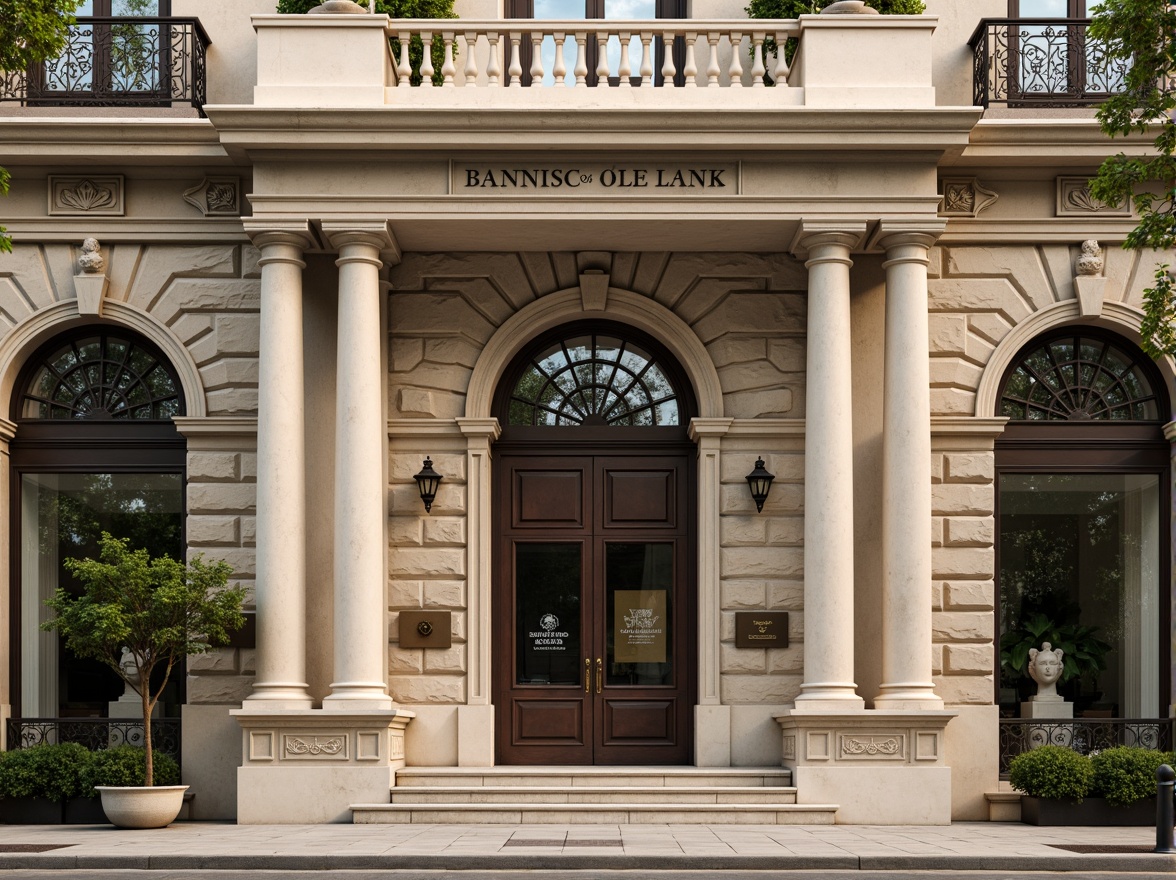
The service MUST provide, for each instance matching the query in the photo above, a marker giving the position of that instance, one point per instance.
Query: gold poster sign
(639, 626)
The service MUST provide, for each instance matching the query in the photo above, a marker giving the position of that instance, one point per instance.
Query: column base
(357, 697)
(828, 700)
(309, 766)
(859, 760)
(913, 697)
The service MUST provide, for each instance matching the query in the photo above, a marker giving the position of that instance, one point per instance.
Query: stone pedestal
(308, 766)
(877, 766)
(1047, 707)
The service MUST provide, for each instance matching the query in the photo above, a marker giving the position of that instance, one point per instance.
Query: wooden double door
(594, 608)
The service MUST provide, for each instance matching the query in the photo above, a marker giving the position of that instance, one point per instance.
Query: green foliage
(33, 30)
(126, 765)
(157, 608)
(1126, 774)
(399, 9)
(1084, 654)
(55, 772)
(1141, 32)
(1052, 772)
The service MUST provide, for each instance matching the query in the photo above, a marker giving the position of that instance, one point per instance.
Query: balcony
(1041, 62)
(119, 62)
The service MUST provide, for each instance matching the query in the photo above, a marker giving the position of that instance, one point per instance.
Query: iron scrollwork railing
(119, 62)
(94, 733)
(1041, 62)
(1083, 735)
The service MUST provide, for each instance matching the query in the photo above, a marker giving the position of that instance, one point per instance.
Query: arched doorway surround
(594, 591)
(1083, 482)
(481, 429)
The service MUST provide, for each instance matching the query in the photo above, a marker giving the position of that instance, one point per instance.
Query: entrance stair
(594, 795)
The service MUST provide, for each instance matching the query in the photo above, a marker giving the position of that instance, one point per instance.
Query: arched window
(100, 375)
(95, 450)
(1083, 483)
(593, 378)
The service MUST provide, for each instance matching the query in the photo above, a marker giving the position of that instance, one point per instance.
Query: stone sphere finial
(91, 262)
(338, 7)
(1091, 260)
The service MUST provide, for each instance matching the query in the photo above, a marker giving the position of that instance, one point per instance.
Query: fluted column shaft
(280, 587)
(828, 479)
(906, 478)
(360, 604)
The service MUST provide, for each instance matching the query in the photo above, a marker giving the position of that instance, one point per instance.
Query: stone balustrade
(497, 53)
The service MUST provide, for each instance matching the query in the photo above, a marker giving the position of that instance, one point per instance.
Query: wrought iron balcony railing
(94, 733)
(1083, 735)
(119, 62)
(1041, 62)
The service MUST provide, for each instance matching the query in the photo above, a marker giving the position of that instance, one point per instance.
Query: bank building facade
(612, 419)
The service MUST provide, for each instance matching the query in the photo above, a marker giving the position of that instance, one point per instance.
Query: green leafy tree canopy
(1143, 33)
(32, 30)
(155, 607)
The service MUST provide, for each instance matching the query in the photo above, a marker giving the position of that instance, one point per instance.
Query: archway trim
(27, 336)
(566, 306)
(1116, 316)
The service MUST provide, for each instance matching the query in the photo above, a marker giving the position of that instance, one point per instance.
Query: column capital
(293, 233)
(812, 235)
(918, 235)
(377, 234)
(7, 430)
(473, 428)
(705, 428)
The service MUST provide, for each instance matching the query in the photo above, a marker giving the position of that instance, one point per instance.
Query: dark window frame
(1091, 447)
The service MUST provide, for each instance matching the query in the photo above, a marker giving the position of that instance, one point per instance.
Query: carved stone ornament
(965, 197)
(1091, 260)
(314, 746)
(216, 196)
(92, 196)
(1045, 668)
(91, 262)
(338, 7)
(870, 745)
(1075, 199)
(849, 7)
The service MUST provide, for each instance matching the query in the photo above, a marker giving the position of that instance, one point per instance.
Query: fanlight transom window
(98, 377)
(1080, 377)
(593, 379)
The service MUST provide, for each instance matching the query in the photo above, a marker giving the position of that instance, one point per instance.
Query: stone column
(906, 474)
(281, 474)
(7, 433)
(361, 452)
(828, 474)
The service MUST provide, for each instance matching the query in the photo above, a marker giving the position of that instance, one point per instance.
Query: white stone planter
(141, 807)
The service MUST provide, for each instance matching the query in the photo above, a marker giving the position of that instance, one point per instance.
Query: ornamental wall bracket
(216, 196)
(965, 197)
(99, 195)
(1074, 199)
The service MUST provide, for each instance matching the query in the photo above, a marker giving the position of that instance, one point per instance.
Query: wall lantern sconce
(760, 481)
(427, 482)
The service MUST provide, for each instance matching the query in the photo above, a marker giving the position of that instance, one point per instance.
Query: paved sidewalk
(200, 845)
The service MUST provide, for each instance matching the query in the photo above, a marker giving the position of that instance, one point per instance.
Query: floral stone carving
(965, 197)
(215, 196)
(95, 195)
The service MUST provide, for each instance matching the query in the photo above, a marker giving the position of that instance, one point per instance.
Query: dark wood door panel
(550, 493)
(644, 721)
(641, 492)
(548, 722)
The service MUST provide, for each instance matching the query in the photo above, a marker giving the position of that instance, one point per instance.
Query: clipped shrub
(1126, 774)
(55, 772)
(126, 765)
(1052, 772)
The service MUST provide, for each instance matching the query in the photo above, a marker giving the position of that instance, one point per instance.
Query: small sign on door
(639, 626)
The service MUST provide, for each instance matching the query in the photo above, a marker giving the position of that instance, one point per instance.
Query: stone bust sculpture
(1045, 668)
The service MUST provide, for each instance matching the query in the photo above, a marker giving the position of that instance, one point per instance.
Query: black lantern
(427, 482)
(760, 481)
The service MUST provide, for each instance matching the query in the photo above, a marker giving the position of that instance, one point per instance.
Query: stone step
(593, 777)
(624, 795)
(594, 814)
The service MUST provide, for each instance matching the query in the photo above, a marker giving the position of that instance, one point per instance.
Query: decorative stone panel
(94, 195)
(1075, 199)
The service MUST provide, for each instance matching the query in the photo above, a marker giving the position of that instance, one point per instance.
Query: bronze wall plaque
(761, 629)
(425, 629)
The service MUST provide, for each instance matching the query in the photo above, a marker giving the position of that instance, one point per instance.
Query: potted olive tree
(152, 611)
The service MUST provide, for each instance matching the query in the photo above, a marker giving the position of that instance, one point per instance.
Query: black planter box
(85, 811)
(30, 811)
(1091, 811)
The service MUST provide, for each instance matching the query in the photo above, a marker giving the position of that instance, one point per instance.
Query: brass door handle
(587, 675)
(599, 674)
